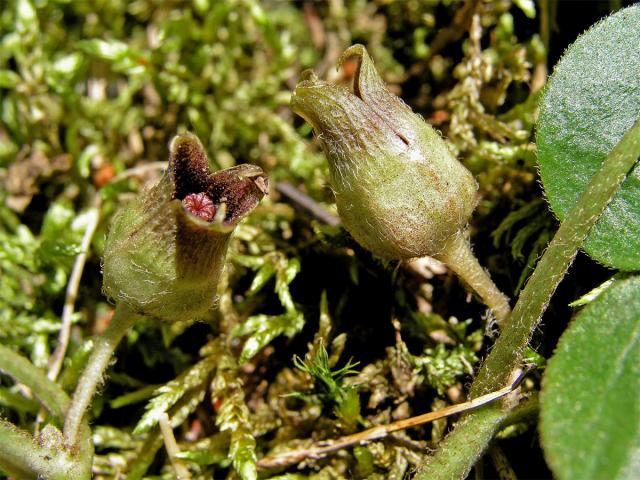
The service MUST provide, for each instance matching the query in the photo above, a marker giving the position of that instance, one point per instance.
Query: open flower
(399, 190)
(166, 249)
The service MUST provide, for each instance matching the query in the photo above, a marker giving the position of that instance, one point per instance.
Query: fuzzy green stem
(471, 435)
(459, 257)
(525, 411)
(22, 457)
(98, 362)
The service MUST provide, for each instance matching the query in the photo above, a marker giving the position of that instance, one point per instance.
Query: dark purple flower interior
(239, 188)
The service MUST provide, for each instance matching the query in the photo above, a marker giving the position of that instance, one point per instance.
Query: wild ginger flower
(165, 250)
(399, 190)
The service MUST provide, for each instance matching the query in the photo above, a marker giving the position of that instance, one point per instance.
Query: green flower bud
(399, 190)
(165, 250)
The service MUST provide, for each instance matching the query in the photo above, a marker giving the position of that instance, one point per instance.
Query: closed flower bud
(166, 249)
(399, 190)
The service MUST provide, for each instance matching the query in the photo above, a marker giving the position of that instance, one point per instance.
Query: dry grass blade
(323, 448)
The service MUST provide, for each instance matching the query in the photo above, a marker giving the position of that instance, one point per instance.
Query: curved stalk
(23, 371)
(20, 454)
(22, 457)
(179, 468)
(98, 362)
(459, 257)
(470, 437)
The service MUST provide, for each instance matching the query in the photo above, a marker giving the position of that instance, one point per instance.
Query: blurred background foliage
(90, 95)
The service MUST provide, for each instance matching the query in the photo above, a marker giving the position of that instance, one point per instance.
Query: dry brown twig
(56, 359)
(181, 471)
(323, 448)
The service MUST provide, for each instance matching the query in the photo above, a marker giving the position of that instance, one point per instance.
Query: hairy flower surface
(165, 250)
(399, 190)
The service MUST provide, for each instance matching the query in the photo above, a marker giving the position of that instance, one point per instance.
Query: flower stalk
(25, 456)
(104, 346)
(459, 257)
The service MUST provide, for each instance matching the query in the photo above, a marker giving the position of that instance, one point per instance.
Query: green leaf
(169, 394)
(243, 453)
(208, 451)
(284, 276)
(23, 371)
(26, 17)
(263, 275)
(122, 56)
(443, 367)
(67, 65)
(63, 70)
(592, 99)
(274, 263)
(233, 416)
(136, 396)
(17, 402)
(9, 79)
(105, 49)
(590, 296)
(590, 414)
(105, 436)
(263, 329)
(527, 7)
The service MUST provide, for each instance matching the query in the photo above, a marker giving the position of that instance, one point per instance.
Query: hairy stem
(98, 362)
(23, 457)
(459, 257)
(470, 438)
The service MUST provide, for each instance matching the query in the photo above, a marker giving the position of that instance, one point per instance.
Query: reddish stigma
(200, 205)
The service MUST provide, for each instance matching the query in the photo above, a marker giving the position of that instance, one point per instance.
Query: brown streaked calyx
(399, 190)
(166, 249)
